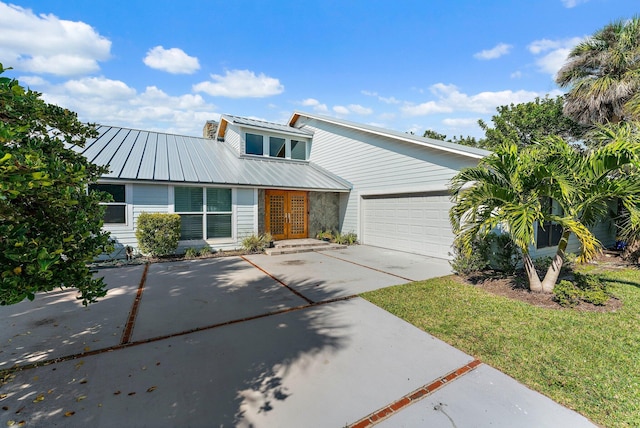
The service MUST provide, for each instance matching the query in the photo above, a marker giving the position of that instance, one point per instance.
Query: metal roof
(143, 155)
(260, 124)
(446, 146)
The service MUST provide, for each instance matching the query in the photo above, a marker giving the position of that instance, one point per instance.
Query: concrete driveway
(258, 341)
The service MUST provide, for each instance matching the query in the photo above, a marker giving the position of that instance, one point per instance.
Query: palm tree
(509, 188)
(603, 75)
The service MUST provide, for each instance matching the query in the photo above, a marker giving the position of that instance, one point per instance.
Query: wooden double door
(286, 214)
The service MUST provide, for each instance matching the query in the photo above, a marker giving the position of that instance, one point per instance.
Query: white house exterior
(292, 180)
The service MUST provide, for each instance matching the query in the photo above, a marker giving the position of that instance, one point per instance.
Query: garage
(416, 222)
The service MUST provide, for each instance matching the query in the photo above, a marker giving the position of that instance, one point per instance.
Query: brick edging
(412, 397)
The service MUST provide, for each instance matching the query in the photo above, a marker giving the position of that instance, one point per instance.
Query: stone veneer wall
(324, 212)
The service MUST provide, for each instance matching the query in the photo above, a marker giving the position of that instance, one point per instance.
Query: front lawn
(587, 361)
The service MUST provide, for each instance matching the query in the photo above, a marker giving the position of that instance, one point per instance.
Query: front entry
(286, 214)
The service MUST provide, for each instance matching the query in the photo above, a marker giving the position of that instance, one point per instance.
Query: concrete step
(301, 246)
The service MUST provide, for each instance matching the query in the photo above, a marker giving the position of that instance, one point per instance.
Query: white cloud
(495, 52)
(387, 100)
(572, 3)
(240, 84)
(315, 104)
(460, 122)
(358, 109)
(341, 110)
(113, 102)
(47, 44)
(173, 60)
(450, 99)
(551, 55)
(516, 75)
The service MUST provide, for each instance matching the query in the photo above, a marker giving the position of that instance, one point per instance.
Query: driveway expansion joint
(365, 266)
(414, 396)
(297, 293)
(128, 329)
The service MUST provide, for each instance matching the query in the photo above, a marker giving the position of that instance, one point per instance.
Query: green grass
(587, 361)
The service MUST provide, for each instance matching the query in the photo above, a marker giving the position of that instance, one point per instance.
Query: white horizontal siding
(246, 220)
(376, 164)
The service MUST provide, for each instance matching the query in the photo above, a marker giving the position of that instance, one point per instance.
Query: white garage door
(416, 223)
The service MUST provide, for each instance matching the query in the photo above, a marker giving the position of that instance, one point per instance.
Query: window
(549, 233)
(205, 213)
(276, 147)
(116, 212)
(298, 150)
(254, 145)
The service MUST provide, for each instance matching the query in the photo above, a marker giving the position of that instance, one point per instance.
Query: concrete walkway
(259, 341)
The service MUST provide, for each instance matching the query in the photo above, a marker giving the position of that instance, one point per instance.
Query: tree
(465, 141)
(50, 227)
(510, 188)
(603, 75)
(525, 123)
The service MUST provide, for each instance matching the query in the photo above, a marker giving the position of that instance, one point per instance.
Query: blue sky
(404, 65)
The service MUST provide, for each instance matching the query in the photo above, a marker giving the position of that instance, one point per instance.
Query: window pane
(218, 200)
(254, 144)
(115, 190)
(115, 214)
(276, 147)
(298, 150)
(543, 235)
(218, 226)
(190, 226)
(188, 199)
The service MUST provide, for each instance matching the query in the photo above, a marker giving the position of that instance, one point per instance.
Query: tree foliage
(49, 226)
(509, 187)
(465, 141)
(603, 75)
(525, 123)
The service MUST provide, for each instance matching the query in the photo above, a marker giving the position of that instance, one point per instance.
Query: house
(291, 180)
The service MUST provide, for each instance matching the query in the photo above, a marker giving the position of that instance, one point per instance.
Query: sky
(400, 64)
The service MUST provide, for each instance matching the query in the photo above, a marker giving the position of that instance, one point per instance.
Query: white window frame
(266, 145)
(128, 210)
(204, 212)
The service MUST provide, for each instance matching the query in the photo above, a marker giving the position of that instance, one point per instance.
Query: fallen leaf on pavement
(116, 393)
(71, 413)
(153, 388)
(81, 397)
(39, 398)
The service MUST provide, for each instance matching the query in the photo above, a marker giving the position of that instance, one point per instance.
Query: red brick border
(413, 396)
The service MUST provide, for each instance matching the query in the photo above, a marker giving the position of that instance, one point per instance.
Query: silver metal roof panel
(254, 123)
(153, 156)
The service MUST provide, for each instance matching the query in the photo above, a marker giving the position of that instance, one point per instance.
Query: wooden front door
(286, 214)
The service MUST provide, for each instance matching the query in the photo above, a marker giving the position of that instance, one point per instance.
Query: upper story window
(116, 209)
(255, 145)
(275, 147)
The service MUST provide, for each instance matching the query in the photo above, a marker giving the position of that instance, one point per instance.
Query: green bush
(205, 251)
(504, 253)
(586, 288)
(191, 253)
(325, 235)
(566, 294)
(256, 243)
(345, 239)
(158, 234)
(593, 289)
(476, 261)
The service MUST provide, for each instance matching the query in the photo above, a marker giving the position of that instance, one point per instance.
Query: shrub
(191, 253)
(566, 294)
(256, 243)
(346, 239)
(467, 264)
(504, 254)
(205, 251)
(158, 234)
(586, 288)
(325, 235)
(593, 289)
